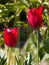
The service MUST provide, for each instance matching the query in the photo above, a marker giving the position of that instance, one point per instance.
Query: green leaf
(28, 59)
(46, 45)
(2, 61)
(1, 39)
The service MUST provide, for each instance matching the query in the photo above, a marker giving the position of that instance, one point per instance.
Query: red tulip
(10, 36)
(34, 17)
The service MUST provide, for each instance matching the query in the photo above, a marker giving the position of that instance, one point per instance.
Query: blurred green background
(13, 14)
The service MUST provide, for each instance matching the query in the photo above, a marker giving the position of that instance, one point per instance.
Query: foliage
(2, 61)
(13, 14)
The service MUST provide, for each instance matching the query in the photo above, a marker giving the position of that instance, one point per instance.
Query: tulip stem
(37, 47)
(9, 56)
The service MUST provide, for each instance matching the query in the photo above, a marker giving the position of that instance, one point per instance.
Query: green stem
(9, 56)
(37, 47)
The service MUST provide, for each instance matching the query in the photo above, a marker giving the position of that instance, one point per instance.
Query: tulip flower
(34, 17)
(10, 36)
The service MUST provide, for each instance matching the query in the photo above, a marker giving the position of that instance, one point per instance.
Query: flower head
(10, 36)
(34, 17)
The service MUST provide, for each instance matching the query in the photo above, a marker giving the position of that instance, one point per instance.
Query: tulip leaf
(46, 45)
(28, 59)
(2, 61)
